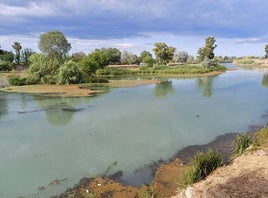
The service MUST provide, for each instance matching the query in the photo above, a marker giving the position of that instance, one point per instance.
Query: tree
(25, 55)
(146, 58)
(54, 45)
(96, 60)
(17, 47)
(181, 56)
(266, 51)
(70, 73)
(78, 56)
(113, 54)
(207, 52)
(129, 58)
(163, 52)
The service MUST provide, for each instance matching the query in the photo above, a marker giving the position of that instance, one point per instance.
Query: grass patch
(261, 137)
(242, 142)
(202, 165)
(245, 61)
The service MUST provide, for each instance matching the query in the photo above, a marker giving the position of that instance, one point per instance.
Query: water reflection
(206, 85)
(58, 111)
(163, 88)
(3, 105)
(265, 80)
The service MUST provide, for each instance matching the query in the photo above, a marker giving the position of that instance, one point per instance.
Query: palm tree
(17, 47)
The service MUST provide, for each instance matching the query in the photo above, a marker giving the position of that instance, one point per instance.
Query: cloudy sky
(239, 26)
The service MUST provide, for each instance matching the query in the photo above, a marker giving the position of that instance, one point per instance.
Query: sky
(240, 27)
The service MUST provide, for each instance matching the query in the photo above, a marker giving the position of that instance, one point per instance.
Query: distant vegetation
(54, 65)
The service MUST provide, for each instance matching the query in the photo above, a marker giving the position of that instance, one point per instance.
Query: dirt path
(246, 176)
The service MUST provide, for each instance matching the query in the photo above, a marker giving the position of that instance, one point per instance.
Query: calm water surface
(43, 139)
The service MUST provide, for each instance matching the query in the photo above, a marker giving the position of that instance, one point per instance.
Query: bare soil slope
(246, 176)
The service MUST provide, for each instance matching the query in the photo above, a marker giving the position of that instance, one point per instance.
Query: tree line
(55, 65)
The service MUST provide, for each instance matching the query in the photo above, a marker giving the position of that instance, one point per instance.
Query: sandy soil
(246, 176)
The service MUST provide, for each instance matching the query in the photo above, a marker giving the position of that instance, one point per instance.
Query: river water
(43, 139)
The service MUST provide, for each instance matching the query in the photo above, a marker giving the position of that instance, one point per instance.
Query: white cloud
(32, 9)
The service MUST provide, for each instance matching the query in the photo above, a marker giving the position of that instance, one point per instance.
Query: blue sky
(239, 26)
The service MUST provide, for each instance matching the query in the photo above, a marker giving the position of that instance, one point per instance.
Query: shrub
(242, 142)
(5, 66)
(202, 165)
(246, 61)
(17, 81)
(70, 73)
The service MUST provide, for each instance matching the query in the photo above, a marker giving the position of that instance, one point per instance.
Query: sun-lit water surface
(43, 139)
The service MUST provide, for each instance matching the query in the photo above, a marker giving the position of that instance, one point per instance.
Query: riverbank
(82, 90)
(245, 175)
(77, 90)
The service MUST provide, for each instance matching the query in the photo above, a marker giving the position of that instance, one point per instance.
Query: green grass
(242, 142)
(245, 61)
(202, 165)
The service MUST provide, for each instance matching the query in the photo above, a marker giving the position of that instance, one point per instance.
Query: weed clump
(202, 165)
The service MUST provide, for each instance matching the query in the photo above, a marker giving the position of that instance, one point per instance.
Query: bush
(207, 63)
(5, 66)
(70, 73)
(242, 142)
(202, 165)
(17, 81)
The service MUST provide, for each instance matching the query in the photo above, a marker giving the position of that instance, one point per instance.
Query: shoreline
(80, 90)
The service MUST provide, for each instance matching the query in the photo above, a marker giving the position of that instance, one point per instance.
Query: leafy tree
(25, 55)
(96, 60)
(70, 73)
(78, 56)
(147, 58)
(17, 47)
(55, 45)
(129, 58)
(266, 51)
(6, 56)
(42, 70)
(163, 52)
(207, 52)
(113, 54)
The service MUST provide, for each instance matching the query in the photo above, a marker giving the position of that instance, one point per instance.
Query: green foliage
(43, 69)
(96, 60)
(109, 71)
(146, 58)
(6, 56)
(207, 52)
(207, 63)
(242, 142)
(113, 55)
(245, 61)
(55, 45)
(25, 55)
(202, 165)
(69, 73)
(78, 56)
(163, 53)
(5, 66)
(17, 81)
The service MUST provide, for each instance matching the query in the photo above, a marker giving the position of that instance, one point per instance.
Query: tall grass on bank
(202, 165)
(242, 142)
